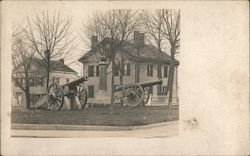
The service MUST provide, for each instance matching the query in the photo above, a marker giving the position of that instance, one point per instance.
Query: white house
(141, 62)
(60, 74)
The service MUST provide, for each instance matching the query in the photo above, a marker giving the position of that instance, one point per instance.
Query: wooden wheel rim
(55, 97)
(133, 95)
(146, 96)
(82, 96)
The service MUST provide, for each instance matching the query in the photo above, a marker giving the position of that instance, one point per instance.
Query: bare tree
(51, 37)
(22, 57)
(171, 31)
(162, 25)
(152, 24)
(113, 28)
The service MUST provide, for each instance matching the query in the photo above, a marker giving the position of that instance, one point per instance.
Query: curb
(85, 128)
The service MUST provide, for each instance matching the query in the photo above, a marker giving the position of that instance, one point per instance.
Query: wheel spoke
(59, 98)
(58, 102)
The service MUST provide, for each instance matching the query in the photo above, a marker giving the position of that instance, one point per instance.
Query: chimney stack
(62, 61)
(139, 38)
(94, 42)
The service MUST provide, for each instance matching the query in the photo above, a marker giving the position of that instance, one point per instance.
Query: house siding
(18, 95)
(94, 81)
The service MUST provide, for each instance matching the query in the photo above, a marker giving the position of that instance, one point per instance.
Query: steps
(162, 100)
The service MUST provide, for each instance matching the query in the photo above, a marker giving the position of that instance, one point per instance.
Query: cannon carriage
(72, 93)
(135, 94)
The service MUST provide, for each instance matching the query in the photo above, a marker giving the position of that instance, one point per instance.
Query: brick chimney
(94, 42)
(139, 38)
(61, 61)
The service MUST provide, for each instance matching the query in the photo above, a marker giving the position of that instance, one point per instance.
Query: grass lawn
(122, 116)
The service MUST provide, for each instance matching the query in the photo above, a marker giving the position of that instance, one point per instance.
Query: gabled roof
(84, 58)
(56, 65)
(147, 53)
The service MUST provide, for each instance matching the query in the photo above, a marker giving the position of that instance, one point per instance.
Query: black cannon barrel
(76, 82)
(150, 83)
(143, 84)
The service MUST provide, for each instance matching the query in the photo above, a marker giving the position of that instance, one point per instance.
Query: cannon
(72, 93)
(135, 94)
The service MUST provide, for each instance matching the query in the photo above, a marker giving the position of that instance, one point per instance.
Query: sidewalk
(84, 127)
(158, 130)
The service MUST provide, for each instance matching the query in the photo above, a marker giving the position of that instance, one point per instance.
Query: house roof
(56, 65)
(147, 53)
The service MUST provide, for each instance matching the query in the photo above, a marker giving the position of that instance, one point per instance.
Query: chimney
(94, 42)
(61, 61)
(139, 38)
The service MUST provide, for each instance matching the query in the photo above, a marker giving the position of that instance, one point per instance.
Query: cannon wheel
(55, 97)
(146, 96)
(82, 95)
(133, 95)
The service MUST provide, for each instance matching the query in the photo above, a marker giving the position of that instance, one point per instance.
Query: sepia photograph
(124, 78)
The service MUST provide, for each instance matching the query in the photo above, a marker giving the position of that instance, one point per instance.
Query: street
(161, 130)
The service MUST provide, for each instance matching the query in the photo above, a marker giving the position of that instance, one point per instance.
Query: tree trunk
(122, 72)
(27, 95)
(171, 75)
(122, 68)
(159, 75)
(47, 81)
(47, 73)
(112, 88)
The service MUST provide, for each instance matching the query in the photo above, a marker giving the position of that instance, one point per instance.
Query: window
(150, 70)
(56, 80)
(91, 91)
(127, 69)
(32, 98)
(116, 68)
(39, 81)
(97, 71)
(91, 71)
(165, 71)
(164, 89)
(159, 89)
(32, 82)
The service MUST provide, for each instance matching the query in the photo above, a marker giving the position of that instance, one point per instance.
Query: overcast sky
(79, 10)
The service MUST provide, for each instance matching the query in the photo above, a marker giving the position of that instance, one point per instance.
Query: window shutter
(165, 71)
(152, 73)
(91, 91)
(97, 71)
(148, 71)
(91, 70)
